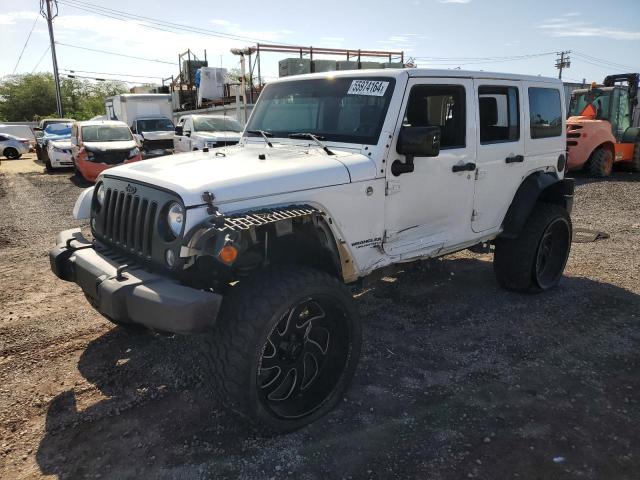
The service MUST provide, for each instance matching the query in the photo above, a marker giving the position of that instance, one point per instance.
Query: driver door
(430, 208)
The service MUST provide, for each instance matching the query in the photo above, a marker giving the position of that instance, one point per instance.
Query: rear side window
(499, 114)
(439, 106)
(545, 110)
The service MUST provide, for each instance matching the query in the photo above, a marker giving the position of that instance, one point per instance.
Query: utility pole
(563, 61)
(242, 53)
(49, 17)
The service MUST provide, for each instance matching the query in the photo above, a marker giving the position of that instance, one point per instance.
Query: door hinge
(474, 215)
(392, 187)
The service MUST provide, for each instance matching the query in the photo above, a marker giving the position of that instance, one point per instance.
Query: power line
(109, 73)
(603, 62)
(509, 57)
(25, 44)
(167, 26)
(41, 58)
(115, 53)
(98, 79)
(482, 62)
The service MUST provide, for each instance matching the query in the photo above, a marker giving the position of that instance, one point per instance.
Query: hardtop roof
(422, 73)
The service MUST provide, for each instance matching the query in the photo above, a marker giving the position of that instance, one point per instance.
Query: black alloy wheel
(303, 358)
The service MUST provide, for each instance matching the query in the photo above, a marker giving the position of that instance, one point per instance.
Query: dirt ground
(458, 379)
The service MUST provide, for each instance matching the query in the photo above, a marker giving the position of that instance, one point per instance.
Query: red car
(102, 144)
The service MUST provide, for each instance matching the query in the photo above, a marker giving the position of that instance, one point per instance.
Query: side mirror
(415, 142)
(179, 130)
(419, 141)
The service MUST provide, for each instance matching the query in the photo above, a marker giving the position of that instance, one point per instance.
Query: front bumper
(131, 295)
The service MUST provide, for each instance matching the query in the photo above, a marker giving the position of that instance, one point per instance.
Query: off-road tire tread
(514, 258)
(597, 162)
(243, 312)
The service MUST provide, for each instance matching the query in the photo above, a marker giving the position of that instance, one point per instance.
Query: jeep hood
(241, 174)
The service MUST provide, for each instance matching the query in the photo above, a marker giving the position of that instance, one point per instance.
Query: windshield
(350, 110)
(154, 125)
(58, 129)
(106, 133)
(216, 124)
(598, 98)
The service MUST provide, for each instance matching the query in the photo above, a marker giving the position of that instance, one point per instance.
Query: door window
(499, 114)
(545, 112)
(623, 117)
(439, 106)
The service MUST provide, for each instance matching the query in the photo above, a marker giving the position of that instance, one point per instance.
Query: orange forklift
(602, 128)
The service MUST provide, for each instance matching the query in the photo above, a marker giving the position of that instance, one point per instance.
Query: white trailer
(149, 117)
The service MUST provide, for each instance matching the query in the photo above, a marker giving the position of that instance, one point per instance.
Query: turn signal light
(228, 254)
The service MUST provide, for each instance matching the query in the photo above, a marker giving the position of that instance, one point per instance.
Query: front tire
(534, 261)
(48, 166)
(601, 162)
(285, 347)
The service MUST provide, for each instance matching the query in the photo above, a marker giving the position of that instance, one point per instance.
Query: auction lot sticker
(372, 88)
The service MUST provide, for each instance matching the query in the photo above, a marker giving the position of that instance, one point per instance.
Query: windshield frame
(83, 133)
(312, 88)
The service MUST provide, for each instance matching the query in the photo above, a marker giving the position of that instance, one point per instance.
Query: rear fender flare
(539, 186)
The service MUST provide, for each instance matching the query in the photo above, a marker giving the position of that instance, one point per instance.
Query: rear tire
(11, 153)
(601, 162)
(285, 347)
(534, 261)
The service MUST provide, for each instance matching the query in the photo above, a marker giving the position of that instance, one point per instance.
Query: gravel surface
(458, 379)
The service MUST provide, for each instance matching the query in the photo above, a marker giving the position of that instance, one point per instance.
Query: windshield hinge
(392, 187)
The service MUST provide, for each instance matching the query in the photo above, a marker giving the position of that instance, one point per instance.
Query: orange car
(98, 145)
(600, 131)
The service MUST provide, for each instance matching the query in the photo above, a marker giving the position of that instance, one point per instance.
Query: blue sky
(445, 33)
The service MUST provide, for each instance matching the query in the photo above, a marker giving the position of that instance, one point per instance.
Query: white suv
(197, 132)
(337, 175)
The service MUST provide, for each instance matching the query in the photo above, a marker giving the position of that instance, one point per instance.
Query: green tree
(32, 96)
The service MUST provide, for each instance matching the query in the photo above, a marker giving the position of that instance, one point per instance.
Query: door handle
(465, 167)
(515, 159)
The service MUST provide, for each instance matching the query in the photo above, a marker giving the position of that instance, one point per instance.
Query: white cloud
(222, 22)
(11, 17)
(561, 28)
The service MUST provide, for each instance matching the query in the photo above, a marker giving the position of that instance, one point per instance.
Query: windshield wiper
(315, 138)
(263, 134)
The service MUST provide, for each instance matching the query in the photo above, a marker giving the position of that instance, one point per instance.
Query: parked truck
(149, 118)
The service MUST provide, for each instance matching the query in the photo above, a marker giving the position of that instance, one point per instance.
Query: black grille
(128, 221)
(111, 157)
(158, 144)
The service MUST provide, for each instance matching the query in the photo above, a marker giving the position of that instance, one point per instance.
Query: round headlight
(175, 218)
(100, 194)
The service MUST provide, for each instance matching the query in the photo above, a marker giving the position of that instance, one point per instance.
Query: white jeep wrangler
(336, 176)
